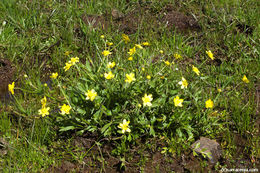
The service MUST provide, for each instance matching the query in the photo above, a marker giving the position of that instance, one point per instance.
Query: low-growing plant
(129, 91)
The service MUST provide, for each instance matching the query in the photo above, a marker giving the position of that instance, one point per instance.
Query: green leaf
(105, 127)
(152, 132)
(81, 111)
(88, 66)
(67, 128)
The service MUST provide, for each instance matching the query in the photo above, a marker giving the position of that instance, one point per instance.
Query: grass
(36, 34)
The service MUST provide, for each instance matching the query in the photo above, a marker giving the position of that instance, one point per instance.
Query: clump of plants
(130, 91)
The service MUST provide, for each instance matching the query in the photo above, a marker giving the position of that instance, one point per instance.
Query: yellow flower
(245, 79)
(167, 62)
(161, 51)
(132, 51)
(183, 83)
(177, 56)
(148, 77)
(196, 70)
(109, 43)
(65, 109)
(124, 126)
(44, 101)
(147, 100)
(67, 53)
(109, 75)
(91, 95)
(126, 38)
(145, 43)
(209, 103)
(44, 111)
(102, 36)
(25, 76)
(219, 90)
(138, 46)
(130, 58)
(139, 105)
(111, 64)
(45, 85)
(130, 77)
(73, 60)
(54, 75)
(11, 88)
(106, 53)
(143, 68)
(67, 66)
(178, 101)
(210, 54)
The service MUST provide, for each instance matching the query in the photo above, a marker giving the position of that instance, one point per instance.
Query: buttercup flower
(145, 43)
(67, 66)
(161, 51)
(74, 60)
(132, 51)
(138, 46)
(91, 95)
(210, 54)
(178, 101)
(148, 77)
(209, 103)
(177, 56)
(44, 101)
(219, 90)
(102, 36)
(67, 53)
(130, 58)
(44, 111)
(147, 100)
(245, 79)
(106, 53)
(167, 62)
(11, 88)
(109, 43)
(54, 75)
(124, 126)
(65, 109)
(183, 83)
(126, 38)
(130, 77)
(196, 70)
(111, 64)
(109, 75)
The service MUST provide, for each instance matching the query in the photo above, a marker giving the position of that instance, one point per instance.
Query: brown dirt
(153, 20)
(138, 158)
(6, 76)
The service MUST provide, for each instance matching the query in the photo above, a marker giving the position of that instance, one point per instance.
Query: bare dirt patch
(6, 75)
(144, 18)
(98, 156)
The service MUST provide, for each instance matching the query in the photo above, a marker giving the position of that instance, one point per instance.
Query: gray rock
(208, 148)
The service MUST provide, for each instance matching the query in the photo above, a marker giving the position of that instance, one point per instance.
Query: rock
(208, 148)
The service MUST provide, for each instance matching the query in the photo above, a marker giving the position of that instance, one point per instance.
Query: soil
(100, 158)
(6, 76)
(144, 18)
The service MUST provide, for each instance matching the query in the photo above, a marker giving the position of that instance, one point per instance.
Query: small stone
(209, 148)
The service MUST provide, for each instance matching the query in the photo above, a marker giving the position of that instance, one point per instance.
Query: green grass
(38, 33)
